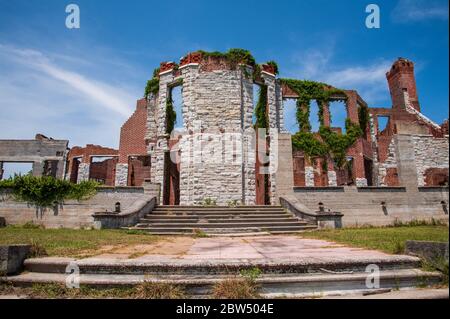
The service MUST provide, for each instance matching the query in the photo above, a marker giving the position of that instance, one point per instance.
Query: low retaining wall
(128, 217)
(12, 257)
(73, 214)
(377, 206)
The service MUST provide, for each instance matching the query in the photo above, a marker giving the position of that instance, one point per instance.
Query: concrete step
(220, 266)
(220, 214)
(192, 230)
(216, 220)
(253, 207)
(223, 224)
(275, 285)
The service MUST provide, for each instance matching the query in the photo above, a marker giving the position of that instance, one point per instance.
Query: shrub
(209, 202)
(46, 191)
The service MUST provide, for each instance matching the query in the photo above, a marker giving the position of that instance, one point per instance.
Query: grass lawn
(71, 242)
(387, 239)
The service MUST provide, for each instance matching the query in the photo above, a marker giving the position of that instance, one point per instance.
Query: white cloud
(419, 10)
(47, 93)
(369, 80)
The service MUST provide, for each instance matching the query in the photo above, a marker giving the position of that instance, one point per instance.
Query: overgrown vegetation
(260, 109)
(158, 290)
(388, 239)
(152, 86)
(236, 288)
(46, 191)
(327, 143)
(209, 202)
(171, 115)
(145, 290)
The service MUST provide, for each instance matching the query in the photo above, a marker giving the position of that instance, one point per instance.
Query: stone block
(12, 258)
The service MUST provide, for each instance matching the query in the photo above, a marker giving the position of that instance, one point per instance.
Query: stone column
(162, 137)
(332, 179)
(248, 141)
(83, 172)
(121, 178)
(269, 81)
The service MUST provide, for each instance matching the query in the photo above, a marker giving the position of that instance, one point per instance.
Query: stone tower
(402, 84)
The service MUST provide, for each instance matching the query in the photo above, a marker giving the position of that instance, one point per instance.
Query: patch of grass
(60, 291)
(251, 274)
(387, 239)
(236, 288)
(159, 290)
(71, 242)
(146, 290)
(440, 265)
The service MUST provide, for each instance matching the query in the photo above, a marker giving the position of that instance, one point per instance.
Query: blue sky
(82, 84)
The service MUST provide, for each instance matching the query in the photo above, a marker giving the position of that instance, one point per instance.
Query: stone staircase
(221, 221)
(304, 277)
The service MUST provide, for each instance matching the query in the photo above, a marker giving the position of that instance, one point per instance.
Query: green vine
(363, 115)
(152, 86)
(326, 143)
(46, 191)
(307, 91)
(171, 115)
(260, 109)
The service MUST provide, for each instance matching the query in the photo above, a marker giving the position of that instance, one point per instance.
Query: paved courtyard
(238, 249)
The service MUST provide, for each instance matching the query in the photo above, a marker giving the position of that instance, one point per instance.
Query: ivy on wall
(171, 115)
(152, 86)
(260, 109)
(326, 143)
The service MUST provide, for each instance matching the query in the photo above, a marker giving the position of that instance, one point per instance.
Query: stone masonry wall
(211, 105)
(430, 152)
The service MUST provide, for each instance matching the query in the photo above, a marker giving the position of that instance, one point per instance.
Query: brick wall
(133, 133)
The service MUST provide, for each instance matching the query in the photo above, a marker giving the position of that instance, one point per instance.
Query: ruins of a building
(47, 156)
(218, 101)
(215, 156)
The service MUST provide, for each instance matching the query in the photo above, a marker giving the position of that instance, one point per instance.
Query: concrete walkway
(241, 248)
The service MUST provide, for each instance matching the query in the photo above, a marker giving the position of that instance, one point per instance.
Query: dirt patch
(174, 246)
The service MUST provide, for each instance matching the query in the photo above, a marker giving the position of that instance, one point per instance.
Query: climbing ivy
(327, 143)
(171, 115)
(152, 86)
(307, 91)
(363, 115)
(309, 144)
(260, 109)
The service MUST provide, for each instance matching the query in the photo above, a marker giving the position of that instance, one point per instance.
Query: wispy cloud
(105, 95)
(420, 10)
(48, 93)
(369, 80)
